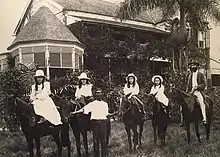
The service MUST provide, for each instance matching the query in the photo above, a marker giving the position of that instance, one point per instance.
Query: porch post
(20, 55)
(47, 58)
(73, 58)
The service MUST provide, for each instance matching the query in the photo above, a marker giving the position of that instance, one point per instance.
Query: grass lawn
(14, 144)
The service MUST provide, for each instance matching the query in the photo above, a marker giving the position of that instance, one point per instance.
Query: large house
(74, 34)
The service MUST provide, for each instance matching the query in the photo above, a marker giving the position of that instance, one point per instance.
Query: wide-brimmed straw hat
(83, 76)
(157, 76)
(39, 73)
(131, 75)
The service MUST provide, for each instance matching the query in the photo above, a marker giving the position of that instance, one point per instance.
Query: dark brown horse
(24, 111)
(132, 118)
(159, 119)
(192, 112)
(80, 123)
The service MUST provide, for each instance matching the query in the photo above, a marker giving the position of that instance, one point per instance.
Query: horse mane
(187, 98)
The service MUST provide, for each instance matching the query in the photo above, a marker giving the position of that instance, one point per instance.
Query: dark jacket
(201, 80)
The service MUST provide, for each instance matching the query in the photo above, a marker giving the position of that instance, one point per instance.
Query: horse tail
(65, 135)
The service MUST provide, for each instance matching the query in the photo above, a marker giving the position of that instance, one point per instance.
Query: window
(201, 44)
(55, 59)
(39, 58)
(27, 58)
(66, 59)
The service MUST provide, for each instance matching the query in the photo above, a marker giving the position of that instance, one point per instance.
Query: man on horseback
(42, 103)
(196, 85)
(131, 90)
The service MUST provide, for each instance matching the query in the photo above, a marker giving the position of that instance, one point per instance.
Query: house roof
(44, 25)
(107, 8)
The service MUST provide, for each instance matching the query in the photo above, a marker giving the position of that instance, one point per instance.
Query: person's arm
(152, 91)
(188, 82)
(90, 90)
(201, 86)
(77, 92)
(47, 84)
(161, 89)
(32, 95)
(136, 89)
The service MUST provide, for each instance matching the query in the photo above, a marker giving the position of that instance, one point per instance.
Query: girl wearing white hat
(84, 89)
(158, 91)
(131, 90)
(40, 98)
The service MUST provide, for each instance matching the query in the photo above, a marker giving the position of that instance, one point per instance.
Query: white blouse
(133, 90)
(98, 109)
(41, 93)
(157, 89)
(85, 90)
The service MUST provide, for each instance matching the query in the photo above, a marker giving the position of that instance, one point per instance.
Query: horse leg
(37, 141)
(197, 130)
(58, 143)
(85, 142)
(155, 132)
(78, 144)
(188, 132)
(30, 146)
(135, 137)
(129, 138)
(207, 128)
(141, 126)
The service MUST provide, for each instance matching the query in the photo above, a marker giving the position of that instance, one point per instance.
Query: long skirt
(47, 109)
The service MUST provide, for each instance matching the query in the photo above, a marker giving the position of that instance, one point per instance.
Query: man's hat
(193, 61)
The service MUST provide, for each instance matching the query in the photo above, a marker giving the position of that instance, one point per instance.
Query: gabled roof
(101, 7)
(44, 25)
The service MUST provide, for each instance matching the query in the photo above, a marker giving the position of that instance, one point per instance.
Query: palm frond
(131, 8)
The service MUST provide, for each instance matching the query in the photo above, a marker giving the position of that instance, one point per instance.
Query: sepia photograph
(110, 78)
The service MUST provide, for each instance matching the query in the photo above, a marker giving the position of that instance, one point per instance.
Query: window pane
(55, 59)
(39, 58)
(26, 49)
(27, 58)
(67, 59)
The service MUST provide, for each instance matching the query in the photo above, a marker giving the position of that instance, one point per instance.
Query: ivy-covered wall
(120, 49)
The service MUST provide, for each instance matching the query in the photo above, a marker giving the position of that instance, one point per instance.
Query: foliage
(15, 81)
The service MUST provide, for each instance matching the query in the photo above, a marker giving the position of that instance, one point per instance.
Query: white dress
(85, 90)
(160, 96)
(44, 105)
(133, 90)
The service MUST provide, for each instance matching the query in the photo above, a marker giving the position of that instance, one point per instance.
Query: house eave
(45, 41)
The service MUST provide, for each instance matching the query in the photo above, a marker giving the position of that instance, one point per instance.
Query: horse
(132, 119)
(159, 119)
(33, 133)
(192, 112)
(80, 123)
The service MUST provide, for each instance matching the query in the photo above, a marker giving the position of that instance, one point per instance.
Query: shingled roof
(44, 25)
(106, 8)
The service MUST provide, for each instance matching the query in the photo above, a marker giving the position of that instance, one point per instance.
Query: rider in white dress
(84, 90)
(158, 90)
(40, 98)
